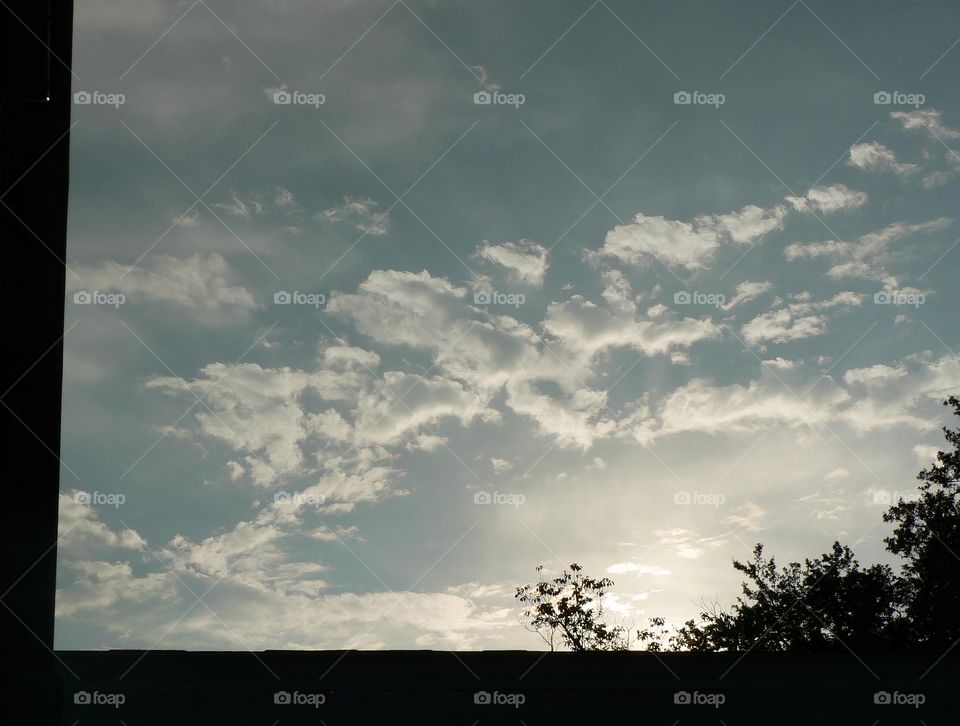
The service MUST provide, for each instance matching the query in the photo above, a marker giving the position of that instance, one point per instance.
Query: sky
(373, 307)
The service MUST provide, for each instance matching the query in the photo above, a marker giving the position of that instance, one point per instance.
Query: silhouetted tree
(568, 610)
(826, 604)
(927, 537)
(831, 603)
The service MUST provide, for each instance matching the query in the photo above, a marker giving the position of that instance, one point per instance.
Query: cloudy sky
(501, 284)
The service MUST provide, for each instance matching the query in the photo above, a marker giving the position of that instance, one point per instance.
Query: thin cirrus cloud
(361, 213)
(868, 256)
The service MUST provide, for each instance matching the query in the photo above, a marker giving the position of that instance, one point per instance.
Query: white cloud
(202, 283)
(257, 204)
(869, 255)
(748, 224)
(747, 291)
(525, 259)
(688, 544)
(405, 403)
(838, 474)
(876, 374)
(361, 213)
(618, 293)
(749, 516)
(694, 244)
(926, 454)
(829, 199)
(782, 326)
(598, 464)
(762, 403)
(688, 244)
(586, 327)
(80, 528)
(261, 411)
(874, 156)
(257, 584)
(489, 353)
(635, 568)
(673, 242)
(928, 120)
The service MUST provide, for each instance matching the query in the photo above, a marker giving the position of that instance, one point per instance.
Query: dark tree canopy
(829, 603)
(927, 537)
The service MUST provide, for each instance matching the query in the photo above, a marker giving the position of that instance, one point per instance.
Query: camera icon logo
(482, 298)
(281, 497)
(882, 498)
(482, 498)
(882, 298)
(682, 698)
(282, 98)
(482, 698)
(681, 298)
(82, 297)
(482, 98)
(82, 98)
(82, 698)
(281, 698)
(681, 498)
(882, 98)
(881, 698)
(682, 98)
(82, 497)
(281, 298)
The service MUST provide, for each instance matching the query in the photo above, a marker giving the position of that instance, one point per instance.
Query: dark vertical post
(35, 50)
